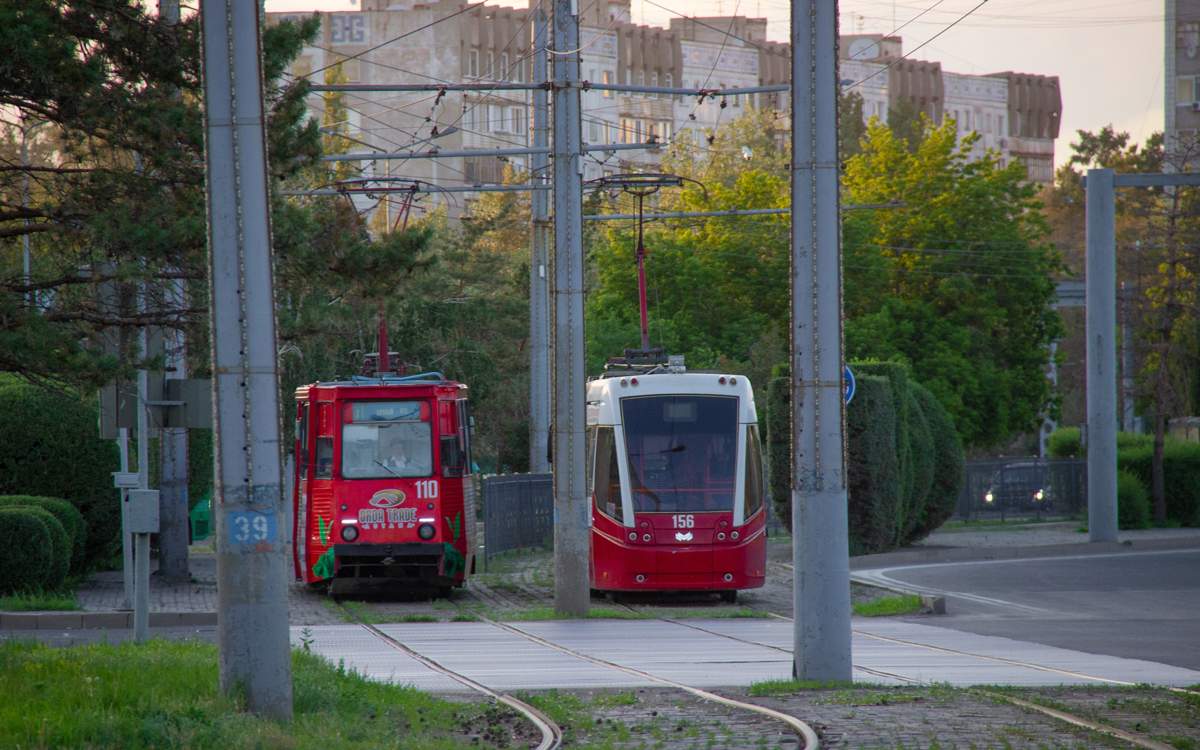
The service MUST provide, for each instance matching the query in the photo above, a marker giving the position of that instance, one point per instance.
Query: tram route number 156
(683, 521)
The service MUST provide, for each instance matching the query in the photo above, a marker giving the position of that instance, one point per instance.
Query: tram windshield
(682, 452)
(387, 439)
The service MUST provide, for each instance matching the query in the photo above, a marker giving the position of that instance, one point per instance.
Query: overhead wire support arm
(424, 87)
(515, 151)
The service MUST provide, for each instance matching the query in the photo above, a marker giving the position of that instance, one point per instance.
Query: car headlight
(426, 531)
(349, 532)
(988, 497)
(1040, 494)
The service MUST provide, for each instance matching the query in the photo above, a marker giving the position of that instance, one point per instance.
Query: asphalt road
(1143, 605)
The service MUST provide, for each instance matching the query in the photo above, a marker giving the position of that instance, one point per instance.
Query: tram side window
(754, 477)
(456, 450)
(606, 482)
(324, 458)
(302, 441)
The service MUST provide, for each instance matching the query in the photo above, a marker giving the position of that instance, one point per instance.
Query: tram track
(551, 733)
(803, 731)
(1133, 738)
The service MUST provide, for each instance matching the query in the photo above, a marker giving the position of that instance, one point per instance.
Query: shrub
(1063, 443)
(1181, 476)
(49, 446)
(873, 469)
(26, 554)
(779, 445)
(60, 547)
(1133, 502)
(920, 451)
(68, 515)
(947, 464)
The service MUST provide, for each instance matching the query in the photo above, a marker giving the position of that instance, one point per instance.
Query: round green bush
(26, 551)
(1133, 502)
(68, 515)
(60, 548)
(49, 446)
(948, 462)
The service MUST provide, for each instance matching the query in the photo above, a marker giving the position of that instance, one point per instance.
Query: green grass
(907, 604)
(58, 601)
(787, 687)
(1016, 524)
(548, 613)
(164, 695)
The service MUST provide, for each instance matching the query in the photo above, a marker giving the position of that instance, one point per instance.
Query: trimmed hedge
(1065, 442)
(26, 551)
(68, 515)
(904, 459)
(49, 446)
(873, 480)
(779, 445)
(1181, 476)
(948, 463)
(1133, 502)
(60, 547)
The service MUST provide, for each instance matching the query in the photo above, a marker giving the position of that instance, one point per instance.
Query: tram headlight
(426, 531)
(349, 533)
(988, 497)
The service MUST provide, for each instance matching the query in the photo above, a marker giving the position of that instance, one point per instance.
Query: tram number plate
(683, 521)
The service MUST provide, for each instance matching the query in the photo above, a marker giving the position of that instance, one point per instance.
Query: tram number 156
(683, 521)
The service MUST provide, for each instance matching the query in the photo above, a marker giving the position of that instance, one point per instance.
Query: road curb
(931, 604)
(101, 620)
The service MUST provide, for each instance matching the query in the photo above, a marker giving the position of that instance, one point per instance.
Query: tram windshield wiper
(389, 469)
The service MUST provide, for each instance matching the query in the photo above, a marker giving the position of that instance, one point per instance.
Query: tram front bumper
(420, 561)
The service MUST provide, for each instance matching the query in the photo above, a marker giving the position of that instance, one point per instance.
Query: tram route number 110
(683, 521)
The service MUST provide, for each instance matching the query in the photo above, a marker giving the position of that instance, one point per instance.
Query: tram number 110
(683, 521)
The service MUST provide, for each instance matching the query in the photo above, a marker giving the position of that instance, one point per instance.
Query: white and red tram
(676, 482)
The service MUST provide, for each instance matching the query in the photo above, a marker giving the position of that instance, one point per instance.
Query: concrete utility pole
(173, 442)
(251, 524)
(541, 232)
(571, 584)
(1101, 356)
(1128, 418)
(820, 546)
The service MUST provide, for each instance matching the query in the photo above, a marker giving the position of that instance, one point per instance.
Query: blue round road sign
(848, 376)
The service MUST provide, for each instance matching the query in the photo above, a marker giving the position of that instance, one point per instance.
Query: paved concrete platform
(506, 661)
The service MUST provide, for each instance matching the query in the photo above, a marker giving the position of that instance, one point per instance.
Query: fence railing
(518, 512)
(1023, 488)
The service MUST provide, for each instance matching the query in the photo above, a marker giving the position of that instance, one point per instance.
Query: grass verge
(38, 601)
(164, 695)
(907, 604)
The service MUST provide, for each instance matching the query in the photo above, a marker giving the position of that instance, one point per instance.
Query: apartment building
(1182, 62)
(398, 41)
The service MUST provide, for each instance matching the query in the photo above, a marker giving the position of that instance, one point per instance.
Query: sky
(1108, 54)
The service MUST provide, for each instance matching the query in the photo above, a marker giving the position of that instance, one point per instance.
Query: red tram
(676, 481)
(384, 488)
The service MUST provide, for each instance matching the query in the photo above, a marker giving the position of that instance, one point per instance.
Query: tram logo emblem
(387, 498)
(682, 537)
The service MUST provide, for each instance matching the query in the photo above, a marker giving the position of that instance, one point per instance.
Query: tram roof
(604, 392)
(375, 386)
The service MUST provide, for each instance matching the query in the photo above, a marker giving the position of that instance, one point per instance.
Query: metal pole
(820, 548)
(571, 579)
(173, 442)
(126, 539)
(252, 630)
(1101, 356)
(541, 233)
(141, 549)
(643, 317)
(1127, 415)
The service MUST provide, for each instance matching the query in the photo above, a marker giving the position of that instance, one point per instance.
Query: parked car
(1022, 485)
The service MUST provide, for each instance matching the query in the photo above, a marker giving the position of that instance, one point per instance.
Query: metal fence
(518, 512)
(1023, 488)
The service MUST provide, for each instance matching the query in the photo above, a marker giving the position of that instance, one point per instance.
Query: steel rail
(1130, 737)
(552, 736)
(802, 730)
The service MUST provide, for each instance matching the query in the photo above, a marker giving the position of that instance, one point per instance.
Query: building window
(654, 82)
(1000, 125)
(491, 65)
(593, 131)
(608, 79)
(473, 63)
(1187, 89)
(503, 72)
(516, 120)
(669, 82)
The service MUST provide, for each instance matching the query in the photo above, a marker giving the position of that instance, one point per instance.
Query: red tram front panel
(383, 486)
(676, 483)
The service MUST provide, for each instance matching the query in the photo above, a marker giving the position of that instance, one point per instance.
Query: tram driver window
(383, 439)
